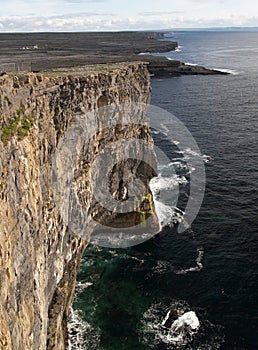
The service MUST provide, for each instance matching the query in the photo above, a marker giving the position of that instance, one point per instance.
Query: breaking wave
(81, 334)
(191, 64)
(224, 70)
(178, 49)
(165, 189)
(174, 325)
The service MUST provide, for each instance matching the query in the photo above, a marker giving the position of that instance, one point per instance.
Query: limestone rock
(39, 253)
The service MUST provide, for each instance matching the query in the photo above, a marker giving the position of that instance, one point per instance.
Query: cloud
(84, 14)
(160, 13)
(82, 1)
(103, 21)
(79, 22)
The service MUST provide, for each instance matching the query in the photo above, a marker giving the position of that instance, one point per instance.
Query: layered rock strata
(40, 245)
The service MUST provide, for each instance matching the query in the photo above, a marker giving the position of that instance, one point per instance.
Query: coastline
(46, 51)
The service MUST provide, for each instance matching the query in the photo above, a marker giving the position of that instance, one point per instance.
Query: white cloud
(160, 13)
(83, 1)
(91, 21)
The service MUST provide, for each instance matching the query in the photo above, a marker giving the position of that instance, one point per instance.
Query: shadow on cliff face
(103, 190)
(103, 167)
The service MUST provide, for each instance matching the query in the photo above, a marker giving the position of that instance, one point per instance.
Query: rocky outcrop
(39, 250)
(161, 66)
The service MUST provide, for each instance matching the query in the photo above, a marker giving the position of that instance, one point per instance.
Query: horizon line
(227, 28)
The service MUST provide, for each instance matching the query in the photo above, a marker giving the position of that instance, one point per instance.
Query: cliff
(40, 243)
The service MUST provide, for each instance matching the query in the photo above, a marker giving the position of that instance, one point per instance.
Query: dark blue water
(131, 290)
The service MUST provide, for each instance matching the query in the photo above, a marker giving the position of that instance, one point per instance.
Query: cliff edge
(39, 250)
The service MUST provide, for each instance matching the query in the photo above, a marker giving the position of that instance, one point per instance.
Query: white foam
(165, 188)
(178, 49)
(225, 70)
(191, 64)
(81, 286)
(191, 152)
(165, 215)
(175, 142)
(168, 180)
(206, 158)
(197, 268)
(181, 332)
(165, 129)
(164, 266)
(119, 239)
(81, 334)
(188, 321)
(166, 183)
(188, 152)
(184, 329)
(168, 214)
(183, 167)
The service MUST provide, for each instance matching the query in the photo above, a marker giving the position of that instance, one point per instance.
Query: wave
(225, 70)
(174, 325)
(105, 257)
(165, 129)
(119, 239)
(191, 64)
(165, 183)
(165, 194)
(178, 49)
(197, 268)
(164, 266)
(81, 286)
(189, 152)
(81, 335)
(165, 187)
(167, 216)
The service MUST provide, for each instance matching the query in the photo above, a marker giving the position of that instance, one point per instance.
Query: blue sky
(85, 15)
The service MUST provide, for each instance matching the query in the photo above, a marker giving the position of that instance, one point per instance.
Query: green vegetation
(19, 126)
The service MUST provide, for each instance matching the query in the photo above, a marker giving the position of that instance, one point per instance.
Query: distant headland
(44, 51)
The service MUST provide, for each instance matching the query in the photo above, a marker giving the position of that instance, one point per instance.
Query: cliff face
(39, 250)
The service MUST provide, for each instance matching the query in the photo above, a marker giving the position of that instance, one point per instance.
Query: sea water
(208, 274)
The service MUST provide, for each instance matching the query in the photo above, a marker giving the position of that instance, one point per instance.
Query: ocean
(208, 272)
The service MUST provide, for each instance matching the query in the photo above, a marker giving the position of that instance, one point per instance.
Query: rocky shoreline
(45, 51)
(161, 66)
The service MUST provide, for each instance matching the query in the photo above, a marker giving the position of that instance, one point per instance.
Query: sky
(107, 15)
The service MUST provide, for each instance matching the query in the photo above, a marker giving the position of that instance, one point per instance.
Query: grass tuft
(20, 126)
